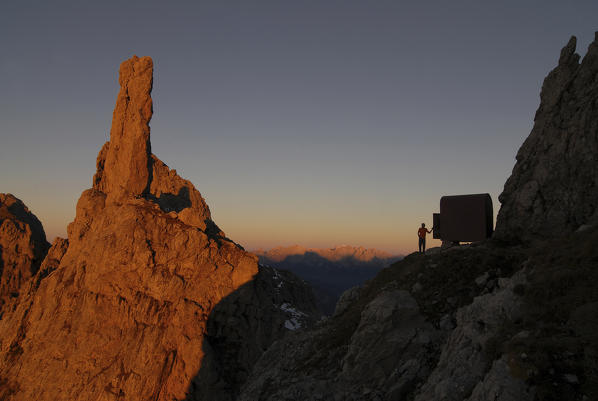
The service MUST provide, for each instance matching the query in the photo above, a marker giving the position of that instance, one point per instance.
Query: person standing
(421, 234)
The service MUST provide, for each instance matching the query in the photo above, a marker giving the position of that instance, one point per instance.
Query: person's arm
(429, 231)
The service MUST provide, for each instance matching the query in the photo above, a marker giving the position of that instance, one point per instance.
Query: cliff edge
(514, 318)
(553, 189)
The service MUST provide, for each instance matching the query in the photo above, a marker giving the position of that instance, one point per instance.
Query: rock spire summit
(126, 168)
(121, 309)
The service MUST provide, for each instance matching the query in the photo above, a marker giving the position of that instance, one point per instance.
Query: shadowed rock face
(553, 189)
(391, 342)
(243, 325)
(23, 245)
(485, 322)
(120, 310)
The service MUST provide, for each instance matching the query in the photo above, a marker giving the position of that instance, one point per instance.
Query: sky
(316, 123)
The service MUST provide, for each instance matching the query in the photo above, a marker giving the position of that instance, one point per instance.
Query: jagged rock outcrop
(23, 246)
(126, 167)
(485, 323)
(499, 384)
(120, 310)
(52, 259)
(389, 344)
(387, 350)
(489, 321)
(553, 189)
(463, 363)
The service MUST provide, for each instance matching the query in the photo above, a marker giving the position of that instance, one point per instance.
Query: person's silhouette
(421, 234)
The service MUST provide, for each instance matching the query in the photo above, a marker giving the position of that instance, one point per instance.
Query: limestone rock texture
(464, 356)
(129, 153)
(553, 189)
(487, 322)
(386, 343)
(120, 309)
(23, 246)
(127, 169)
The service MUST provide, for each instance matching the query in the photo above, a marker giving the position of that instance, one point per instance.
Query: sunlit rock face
(127, 158)
(553, 189)
(23, 246)
(120, 310)
(127, 169)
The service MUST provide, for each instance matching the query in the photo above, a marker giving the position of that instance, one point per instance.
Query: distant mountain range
(330, 271)
(337, 253)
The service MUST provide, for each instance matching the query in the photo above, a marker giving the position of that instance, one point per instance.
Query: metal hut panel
(466, 218)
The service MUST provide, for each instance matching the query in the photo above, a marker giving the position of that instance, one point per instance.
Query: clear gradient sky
(301, 122)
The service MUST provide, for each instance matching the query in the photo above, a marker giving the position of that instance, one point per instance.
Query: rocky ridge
(510, 319)
(416, 331)
(123, 309)
(553, 189)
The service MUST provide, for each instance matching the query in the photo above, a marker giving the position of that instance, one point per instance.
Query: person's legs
(421, 242)
(424, 244)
